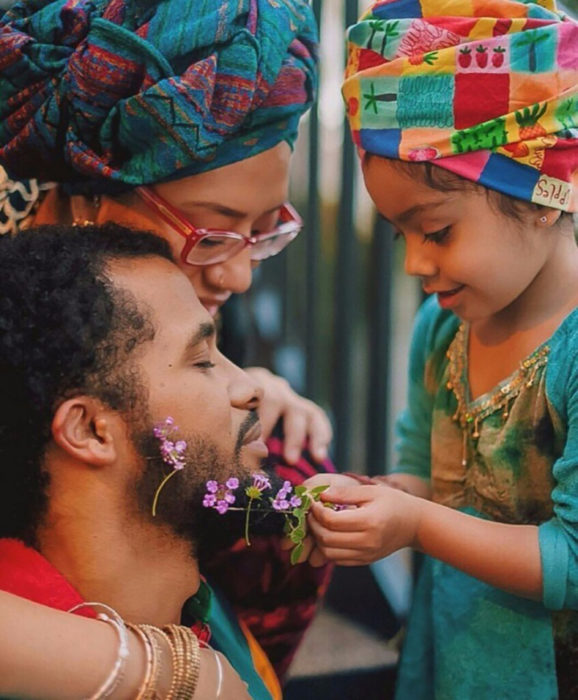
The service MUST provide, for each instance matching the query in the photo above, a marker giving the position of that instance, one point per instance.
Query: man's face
(213, 403)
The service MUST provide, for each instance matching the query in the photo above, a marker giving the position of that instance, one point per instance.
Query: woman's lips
(213, 305)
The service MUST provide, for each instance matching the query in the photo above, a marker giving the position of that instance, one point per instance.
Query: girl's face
(244, 197)
(477, 260)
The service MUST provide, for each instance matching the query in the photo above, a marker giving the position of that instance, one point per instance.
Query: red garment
(26, 573)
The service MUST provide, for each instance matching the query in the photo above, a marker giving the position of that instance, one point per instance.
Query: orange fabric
(262, 664)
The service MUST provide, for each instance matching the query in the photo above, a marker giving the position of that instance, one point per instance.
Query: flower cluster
(294, 503)
(220, 496)
(172, 452)
(283, 500)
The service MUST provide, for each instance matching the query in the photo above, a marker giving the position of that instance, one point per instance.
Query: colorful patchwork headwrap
(485, 88)
(116, 93)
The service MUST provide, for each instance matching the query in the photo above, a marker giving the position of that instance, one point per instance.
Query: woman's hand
(379, 520)
(303, 420)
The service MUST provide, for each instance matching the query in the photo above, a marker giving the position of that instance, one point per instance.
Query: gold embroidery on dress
(469, 416)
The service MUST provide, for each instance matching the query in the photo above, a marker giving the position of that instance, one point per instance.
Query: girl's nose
(418, 260)
(233, 275)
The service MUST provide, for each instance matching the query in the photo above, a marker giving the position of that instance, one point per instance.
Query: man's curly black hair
(64, 329)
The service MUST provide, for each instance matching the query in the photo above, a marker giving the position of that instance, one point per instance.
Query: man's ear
(83, 428)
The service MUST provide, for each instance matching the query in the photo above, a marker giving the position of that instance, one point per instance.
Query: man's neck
(141, 570)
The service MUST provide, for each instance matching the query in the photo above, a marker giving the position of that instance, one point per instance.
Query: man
(101, 339)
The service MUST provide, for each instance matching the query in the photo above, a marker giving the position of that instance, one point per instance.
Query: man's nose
(244, 391)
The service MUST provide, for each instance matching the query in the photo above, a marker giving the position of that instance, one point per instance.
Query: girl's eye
(437, 236)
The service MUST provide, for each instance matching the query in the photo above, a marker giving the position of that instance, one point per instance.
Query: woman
(179, 118)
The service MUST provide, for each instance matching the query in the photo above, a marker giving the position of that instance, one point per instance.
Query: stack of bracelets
(185, 653)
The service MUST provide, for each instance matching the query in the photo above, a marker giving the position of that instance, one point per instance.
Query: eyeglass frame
(194, 234)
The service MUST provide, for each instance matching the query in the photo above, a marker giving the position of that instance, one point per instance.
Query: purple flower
(295, 502)
(220, 496)
(212, 486)
(222, 507)
(261, 482)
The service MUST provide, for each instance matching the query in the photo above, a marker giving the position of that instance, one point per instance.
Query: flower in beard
(172, 453)
(220, 496)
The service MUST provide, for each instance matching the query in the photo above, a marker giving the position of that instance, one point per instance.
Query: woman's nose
(233, 275)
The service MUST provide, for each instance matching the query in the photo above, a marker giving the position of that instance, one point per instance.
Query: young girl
(468, 130)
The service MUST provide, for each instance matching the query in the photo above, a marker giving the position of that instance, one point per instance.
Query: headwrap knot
(105, 93)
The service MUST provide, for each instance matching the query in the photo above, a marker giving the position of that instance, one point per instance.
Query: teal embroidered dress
(510, 456)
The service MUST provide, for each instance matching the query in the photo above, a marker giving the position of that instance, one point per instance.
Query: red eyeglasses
(205, 246)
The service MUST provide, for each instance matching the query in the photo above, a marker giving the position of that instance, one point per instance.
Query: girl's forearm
(503, 555)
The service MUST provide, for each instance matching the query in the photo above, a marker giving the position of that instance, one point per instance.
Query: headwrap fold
(485, 88)
(106, 93)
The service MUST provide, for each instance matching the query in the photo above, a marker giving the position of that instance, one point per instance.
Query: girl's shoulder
(562, 367)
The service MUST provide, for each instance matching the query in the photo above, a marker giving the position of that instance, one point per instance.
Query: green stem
(247, 540)
(157, 492)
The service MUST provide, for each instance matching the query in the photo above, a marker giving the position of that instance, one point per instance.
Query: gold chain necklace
(469, 416)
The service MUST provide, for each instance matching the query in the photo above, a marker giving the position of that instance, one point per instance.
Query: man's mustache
(251, 419)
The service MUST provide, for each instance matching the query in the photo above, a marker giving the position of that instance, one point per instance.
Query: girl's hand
(379, 520)
(311, 552)
(303, 420)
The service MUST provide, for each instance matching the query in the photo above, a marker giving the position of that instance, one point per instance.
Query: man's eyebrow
(226, 211)
(203, 332)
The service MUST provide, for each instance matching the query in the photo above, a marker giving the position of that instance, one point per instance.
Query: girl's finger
(355, 495)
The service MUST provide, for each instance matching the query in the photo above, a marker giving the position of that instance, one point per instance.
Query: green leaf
(296, 553)
(319, 489)
(300, 490)
(297, 535)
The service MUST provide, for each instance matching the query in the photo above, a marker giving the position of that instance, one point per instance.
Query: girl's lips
(449, 298)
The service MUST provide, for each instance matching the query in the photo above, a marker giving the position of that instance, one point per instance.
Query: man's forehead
(159, 285)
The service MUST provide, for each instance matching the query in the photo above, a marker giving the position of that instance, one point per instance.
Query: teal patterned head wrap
(110, 94)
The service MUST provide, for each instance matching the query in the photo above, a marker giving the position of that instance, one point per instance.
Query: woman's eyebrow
(225, 210)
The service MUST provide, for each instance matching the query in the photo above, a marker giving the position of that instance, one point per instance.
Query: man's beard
(180, 503)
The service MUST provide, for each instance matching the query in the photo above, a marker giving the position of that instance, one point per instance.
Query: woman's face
(244, 197)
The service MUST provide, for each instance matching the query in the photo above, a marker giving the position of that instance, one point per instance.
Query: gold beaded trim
(499, 399)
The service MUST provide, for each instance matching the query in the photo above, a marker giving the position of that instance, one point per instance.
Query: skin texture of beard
(180, 501)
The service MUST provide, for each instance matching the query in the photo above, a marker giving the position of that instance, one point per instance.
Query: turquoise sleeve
(413, 427)
(559, 536)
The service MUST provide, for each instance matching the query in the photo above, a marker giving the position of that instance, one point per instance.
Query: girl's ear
(82, 427)
(547, 216)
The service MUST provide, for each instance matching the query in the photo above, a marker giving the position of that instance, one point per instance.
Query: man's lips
(253, 434)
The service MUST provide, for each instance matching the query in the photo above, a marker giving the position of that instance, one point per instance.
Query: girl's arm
(47, 654)
(385, 520)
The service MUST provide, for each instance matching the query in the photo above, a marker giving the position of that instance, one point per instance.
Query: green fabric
(227, 637)
(465, 638)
